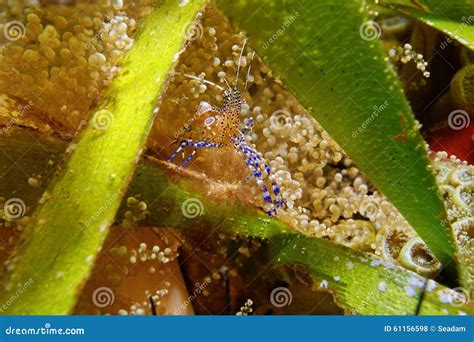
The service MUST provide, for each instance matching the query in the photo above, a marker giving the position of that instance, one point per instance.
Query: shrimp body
(221, 129)
(221, 125)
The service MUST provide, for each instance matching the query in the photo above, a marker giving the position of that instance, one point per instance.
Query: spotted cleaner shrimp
(221, 128)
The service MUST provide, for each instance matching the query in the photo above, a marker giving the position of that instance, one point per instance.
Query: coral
(60, 57)
(406, 54)
(321, 186)
(246, 309)
(325, 193)
(65, 57)
(416, 257)
(139, 271)
(456, 180)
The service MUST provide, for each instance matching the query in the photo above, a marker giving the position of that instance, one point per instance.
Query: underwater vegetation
(239, 157)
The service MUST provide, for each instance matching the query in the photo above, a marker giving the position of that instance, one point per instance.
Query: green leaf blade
(69, 227)
(454, 18)
(341, 75)
(359, 274)
(361, 283)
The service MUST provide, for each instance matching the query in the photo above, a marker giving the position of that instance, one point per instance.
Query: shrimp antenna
(238, 62)
(228, 86)
(248, 71)
(197, 78)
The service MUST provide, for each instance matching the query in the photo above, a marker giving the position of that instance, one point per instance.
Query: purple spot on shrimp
(209, 121)
(276, 189)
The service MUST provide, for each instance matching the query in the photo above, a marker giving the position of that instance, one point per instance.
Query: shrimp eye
(209, 121)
